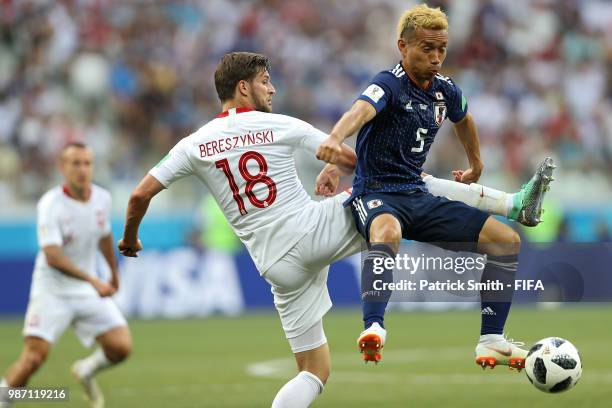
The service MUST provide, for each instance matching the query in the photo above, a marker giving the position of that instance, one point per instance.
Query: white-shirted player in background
(73, 224)
(245, 158)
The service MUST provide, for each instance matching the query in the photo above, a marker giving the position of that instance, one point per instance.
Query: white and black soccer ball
(553, 365)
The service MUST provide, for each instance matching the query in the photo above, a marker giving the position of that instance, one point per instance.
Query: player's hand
(466, 176)
(114, 281)
(104, 289)
(129, 249)
(329, 150)
(326, 183)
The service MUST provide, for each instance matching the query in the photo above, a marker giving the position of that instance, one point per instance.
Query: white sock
(4, 401)
(490, 338)
(299, 392)
(89, 366)
(509, 202)
(484, 198)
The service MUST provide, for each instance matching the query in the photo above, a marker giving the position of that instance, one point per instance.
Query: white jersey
(77, 228)
(246, 160)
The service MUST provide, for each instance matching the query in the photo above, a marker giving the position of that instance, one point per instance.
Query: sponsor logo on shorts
(34, 321)
(374, 204)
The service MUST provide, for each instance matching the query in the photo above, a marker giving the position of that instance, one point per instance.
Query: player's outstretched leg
(115, 347)
(313, 365)
(385, 235)
(501, 244)
(524, 206)
(34, 354)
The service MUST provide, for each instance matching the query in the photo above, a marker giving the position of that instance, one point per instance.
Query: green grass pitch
(242, 362)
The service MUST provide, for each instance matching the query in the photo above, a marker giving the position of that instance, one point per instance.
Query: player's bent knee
(116, 343)
(385, 228)
(515, 238)
(510, 239)
(118, 352)
(498, 239)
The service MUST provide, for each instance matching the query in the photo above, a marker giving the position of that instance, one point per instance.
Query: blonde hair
(421, 17)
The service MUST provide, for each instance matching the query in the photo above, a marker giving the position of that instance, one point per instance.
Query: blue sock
(495, 304)
(374, 302)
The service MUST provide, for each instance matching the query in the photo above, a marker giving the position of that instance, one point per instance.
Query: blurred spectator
(132, 78)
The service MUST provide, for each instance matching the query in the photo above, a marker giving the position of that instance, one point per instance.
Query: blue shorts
(422, 216)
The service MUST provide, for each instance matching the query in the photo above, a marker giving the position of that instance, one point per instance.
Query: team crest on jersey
(374, 204)
(439, 112)
(100, 218)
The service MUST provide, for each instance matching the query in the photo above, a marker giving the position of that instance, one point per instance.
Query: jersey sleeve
(305, 136)
(458, 107)
(48, 229)
(313, 137)
(174, 166)
(381, 90)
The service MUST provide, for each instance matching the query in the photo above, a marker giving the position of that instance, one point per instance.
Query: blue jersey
(392, 147)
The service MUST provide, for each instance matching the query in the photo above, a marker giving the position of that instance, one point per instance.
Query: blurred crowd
(131, 78)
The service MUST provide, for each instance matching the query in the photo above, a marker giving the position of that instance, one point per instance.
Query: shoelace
(514, 343)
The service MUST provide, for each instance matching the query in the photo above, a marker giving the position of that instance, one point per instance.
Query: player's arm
(58, 260)
(360, 113)
(467, 133)
(345, 162)
(106, 246)
(173, 166)
(329, 178)
(138, 204)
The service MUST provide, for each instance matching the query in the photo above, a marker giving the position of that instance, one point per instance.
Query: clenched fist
(129, 249)
(329, 150)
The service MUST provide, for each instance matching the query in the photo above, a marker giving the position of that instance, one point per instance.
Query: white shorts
(309, 340)
(299, 278)
(48, 316)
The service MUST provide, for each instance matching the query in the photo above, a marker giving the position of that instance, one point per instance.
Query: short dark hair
(78, 145)
(235, 67)
(75, 144)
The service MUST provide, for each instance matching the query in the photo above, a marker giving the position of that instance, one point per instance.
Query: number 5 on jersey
(251, 180)
(419, 138)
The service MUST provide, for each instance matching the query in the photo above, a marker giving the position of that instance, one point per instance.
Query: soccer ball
(553, 365)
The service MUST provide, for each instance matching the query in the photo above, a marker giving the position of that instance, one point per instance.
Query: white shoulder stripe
(444, 78)
(398, 71)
